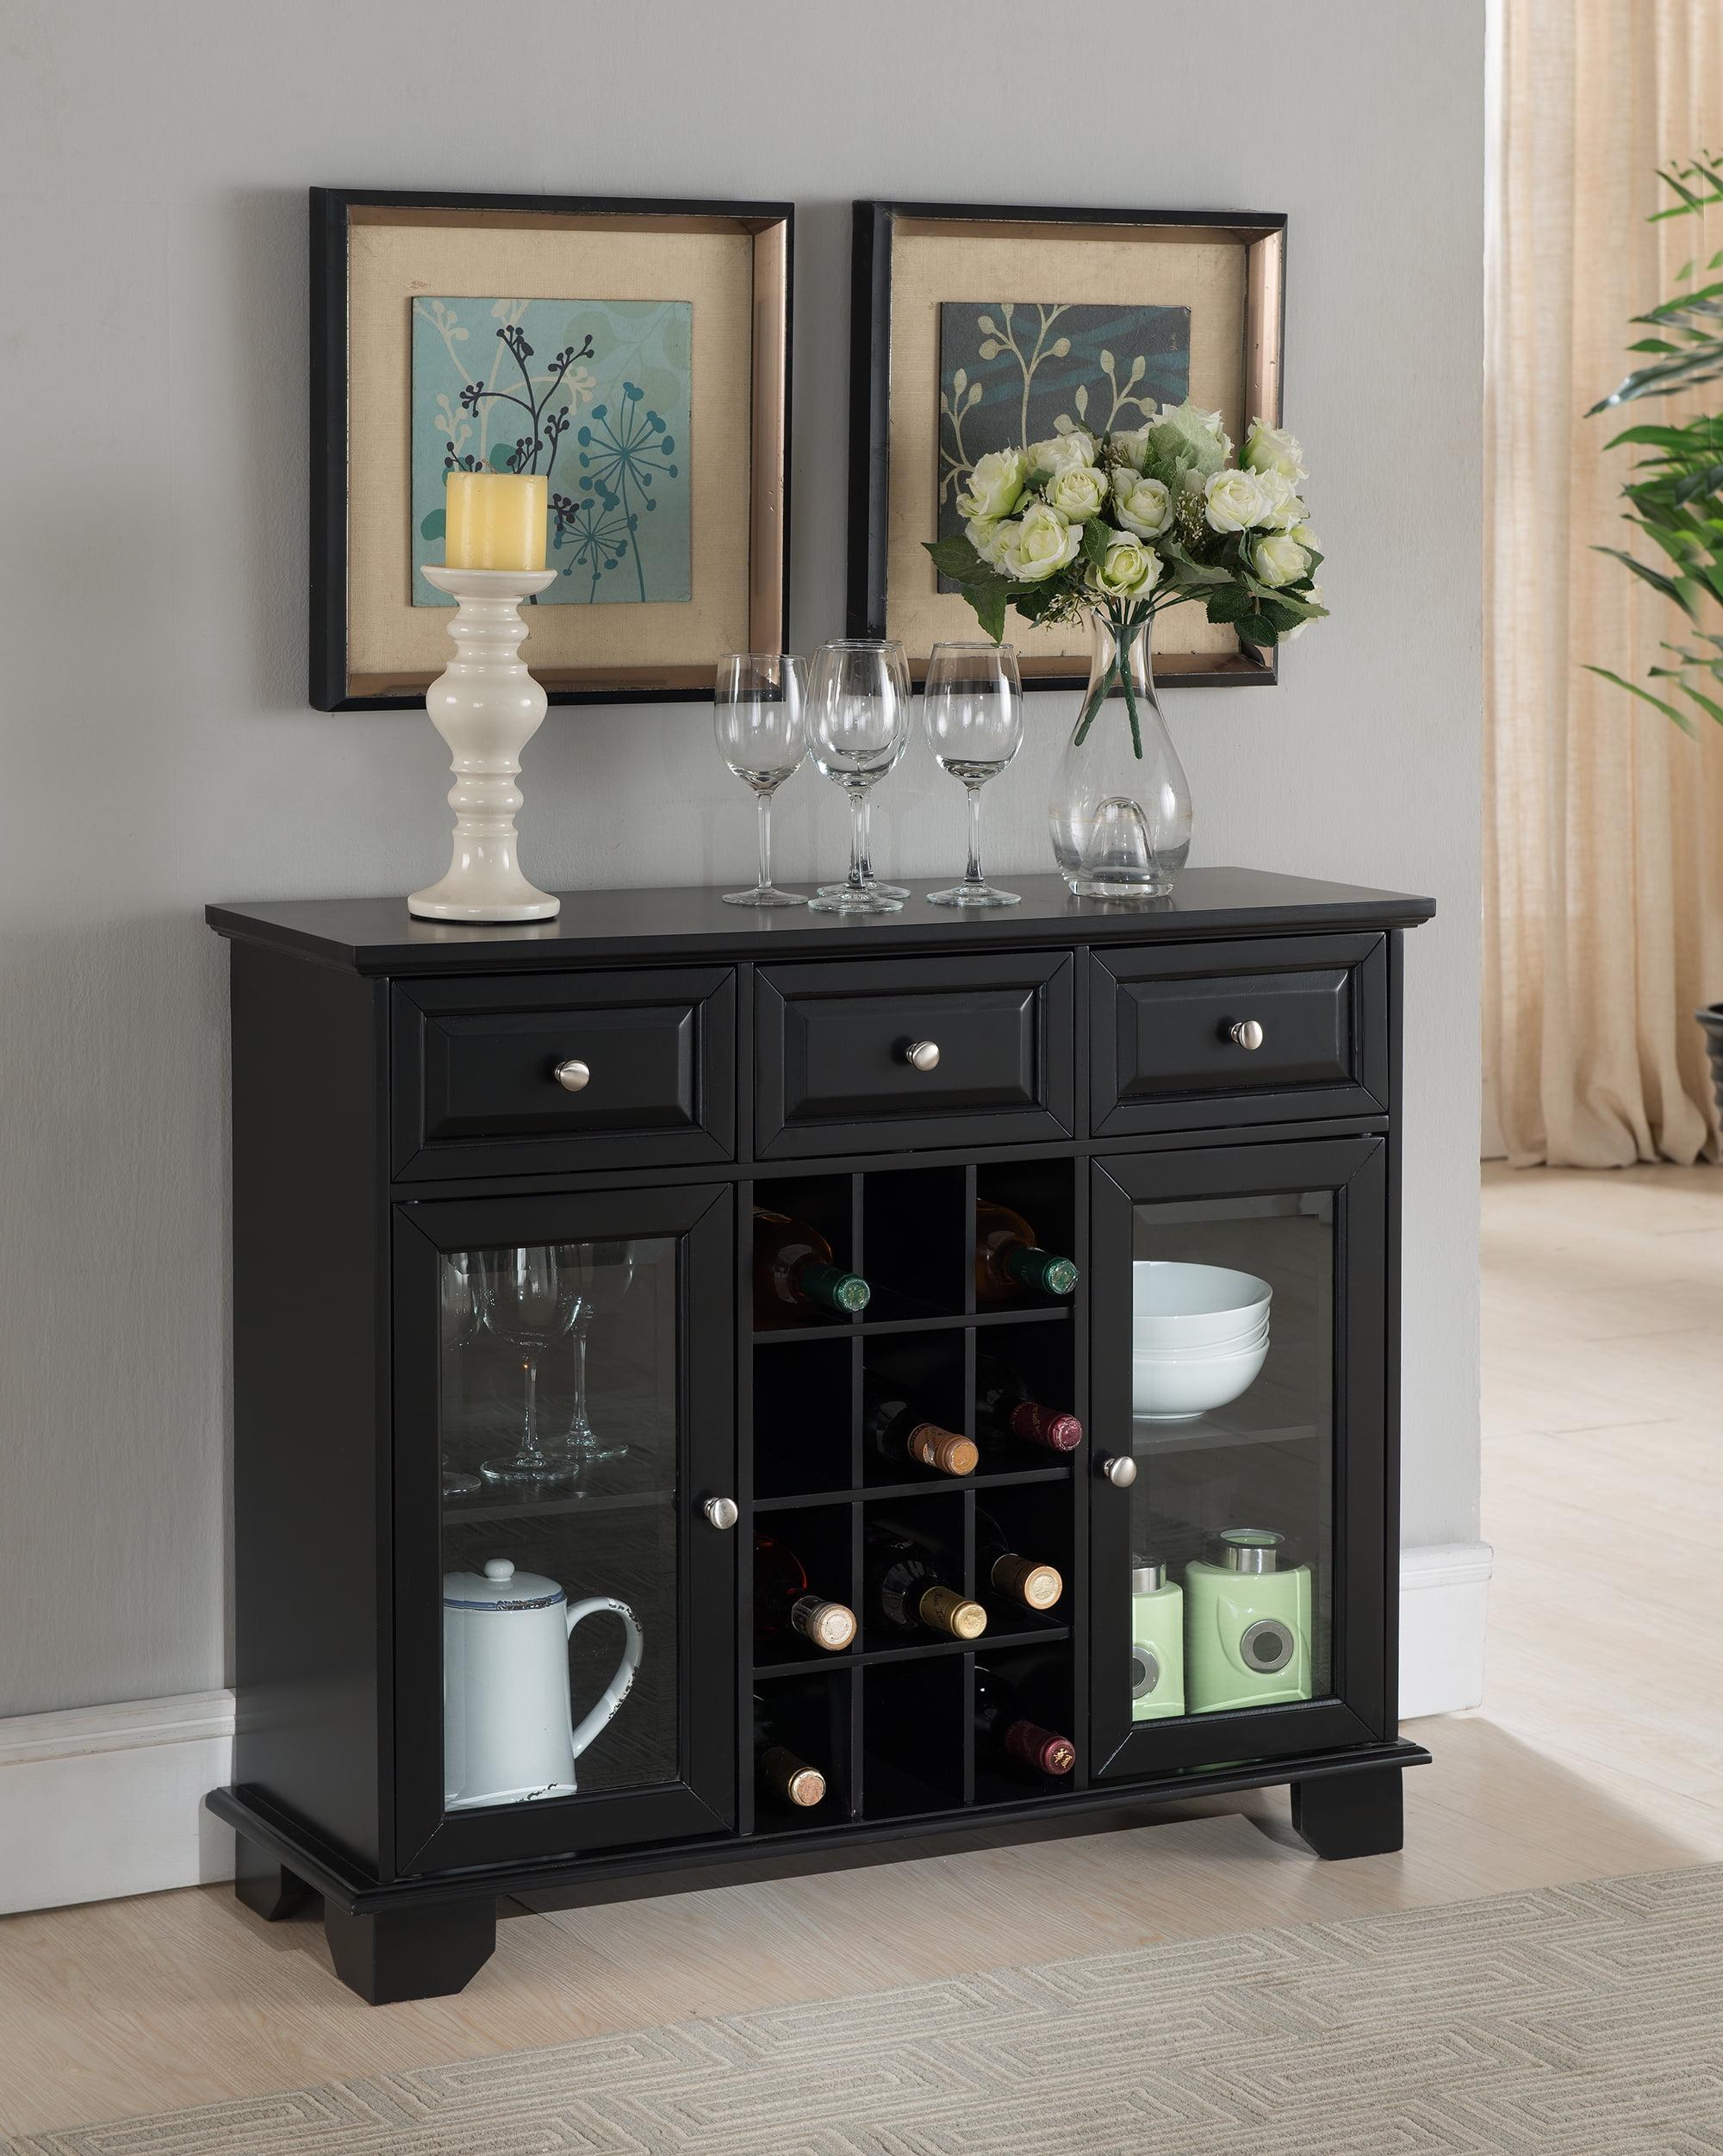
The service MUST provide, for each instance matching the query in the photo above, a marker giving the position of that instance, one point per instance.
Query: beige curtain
(1604, 824)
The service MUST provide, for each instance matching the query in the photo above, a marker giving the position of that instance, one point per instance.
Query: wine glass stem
(867, 840)
(579, 1421)
(973, 873)
(529, 1441)
(765, 829)
(858, 838)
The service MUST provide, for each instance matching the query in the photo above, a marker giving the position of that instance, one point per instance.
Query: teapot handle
(617, 1690)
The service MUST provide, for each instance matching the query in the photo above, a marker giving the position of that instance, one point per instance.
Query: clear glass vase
(1120, 813)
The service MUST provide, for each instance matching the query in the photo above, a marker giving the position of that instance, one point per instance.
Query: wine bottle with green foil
(795, 1275)
(1010, 1263)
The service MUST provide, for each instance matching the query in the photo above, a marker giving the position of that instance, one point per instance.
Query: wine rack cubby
(498, 1493)
(820, 1487)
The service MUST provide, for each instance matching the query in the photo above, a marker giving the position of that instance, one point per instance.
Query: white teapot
(507, 1737)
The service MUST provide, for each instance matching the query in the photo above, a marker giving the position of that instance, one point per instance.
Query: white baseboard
(99, 1802)
(1444, 1599)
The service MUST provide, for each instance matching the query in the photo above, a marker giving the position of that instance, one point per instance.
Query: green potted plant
(1675, 494)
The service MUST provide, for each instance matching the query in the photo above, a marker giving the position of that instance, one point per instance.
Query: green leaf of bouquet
(955, 556)
(1257, 628)
(1232, 602)
(989, 603)
(1097, 537)
(1653, 577)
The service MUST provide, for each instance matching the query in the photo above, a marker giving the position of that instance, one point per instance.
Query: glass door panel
(565, 1605)
(1239, 1322)
(560, 1489)
(1232, 1430)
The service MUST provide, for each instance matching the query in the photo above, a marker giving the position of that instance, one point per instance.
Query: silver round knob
(923, 1055)
(722, 1513)
(1246, 1033)
(1120, 1470)
(574, 1077)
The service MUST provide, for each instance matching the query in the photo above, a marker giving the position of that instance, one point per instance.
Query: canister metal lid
(1250, 1548)
(1148, 1575)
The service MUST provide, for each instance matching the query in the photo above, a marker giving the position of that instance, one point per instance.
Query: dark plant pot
(1711, 1018)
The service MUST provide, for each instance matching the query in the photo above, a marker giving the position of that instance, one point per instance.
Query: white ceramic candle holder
(487, 707)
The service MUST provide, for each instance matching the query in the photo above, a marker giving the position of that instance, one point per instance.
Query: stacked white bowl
(1200, 1337)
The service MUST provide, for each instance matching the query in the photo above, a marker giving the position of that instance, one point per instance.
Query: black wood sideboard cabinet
(586, 1529)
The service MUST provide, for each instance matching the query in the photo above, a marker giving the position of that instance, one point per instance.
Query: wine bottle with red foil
(898, 1432)
(795, 1274)
(782, 1771)
(1003, 1568)
(907, 1590)
(1010, 1263)
(1006, 1408)
(1008, 1736)
(785, 1605)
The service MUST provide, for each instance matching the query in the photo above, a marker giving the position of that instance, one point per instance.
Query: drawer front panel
(833, 1042)
(476, 1090)
(1164, 1056)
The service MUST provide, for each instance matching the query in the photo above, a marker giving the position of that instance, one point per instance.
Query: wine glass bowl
(760, 717)
(858, 728)
(972, 708)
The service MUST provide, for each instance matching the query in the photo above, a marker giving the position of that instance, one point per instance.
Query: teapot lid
(499, 1587)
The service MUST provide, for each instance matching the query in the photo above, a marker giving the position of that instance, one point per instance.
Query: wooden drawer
(1161, 1052)
(475, 1089)
(833, 1072)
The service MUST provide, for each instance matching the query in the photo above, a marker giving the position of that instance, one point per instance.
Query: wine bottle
(1009, 1734)
(794, 1274)
(783, 1601)
(1004, 1407)
(782, 1773)
(1009, 1260)
(1037, 1586)
(897, 1431)
(904, 1587)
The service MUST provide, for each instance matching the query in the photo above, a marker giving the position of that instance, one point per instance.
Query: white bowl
(1169, 1392)
(1207, 1350)
(1178, 1306)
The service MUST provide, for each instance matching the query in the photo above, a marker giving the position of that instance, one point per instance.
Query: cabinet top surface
(378, 935)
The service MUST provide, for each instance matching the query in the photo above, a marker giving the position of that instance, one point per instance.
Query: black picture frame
(873, 230)
(331, 685)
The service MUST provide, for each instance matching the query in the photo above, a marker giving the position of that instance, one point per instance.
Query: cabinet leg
(265, 1885)
(1351, 1815)
(411, 1953)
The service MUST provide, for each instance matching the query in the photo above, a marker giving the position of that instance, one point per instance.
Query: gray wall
(160, 752)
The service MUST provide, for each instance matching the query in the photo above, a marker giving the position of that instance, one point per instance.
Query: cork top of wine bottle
(1039, 1586)
(793, 1779)
(943, 1449)
(948, 1611)
(828, 1624)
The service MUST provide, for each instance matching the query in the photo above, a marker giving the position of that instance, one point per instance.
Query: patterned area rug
(1586, 2021)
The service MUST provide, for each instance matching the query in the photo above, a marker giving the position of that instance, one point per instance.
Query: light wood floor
(1599, 1751)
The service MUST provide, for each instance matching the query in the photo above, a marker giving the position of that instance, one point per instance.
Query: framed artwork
(975, 328)
(636, 353)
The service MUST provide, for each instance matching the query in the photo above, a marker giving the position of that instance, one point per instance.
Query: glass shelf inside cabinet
(1230, 1591)
(559, 1447)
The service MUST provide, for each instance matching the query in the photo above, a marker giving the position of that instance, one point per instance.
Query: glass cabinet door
(1239, 1315)
(563, 1415)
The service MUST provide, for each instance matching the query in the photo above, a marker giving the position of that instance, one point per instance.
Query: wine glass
(459, 1306)
(858, 727)
(869, 881)
(760, 714)
(528, 1297)
(602, 1273)
(971, 707)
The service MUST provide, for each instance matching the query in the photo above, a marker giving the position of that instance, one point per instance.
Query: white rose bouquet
(1131, 524)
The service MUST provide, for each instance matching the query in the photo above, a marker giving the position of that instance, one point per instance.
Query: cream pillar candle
(495, 519)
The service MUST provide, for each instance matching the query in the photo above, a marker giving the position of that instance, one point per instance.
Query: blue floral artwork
(595, 394)
(1012, 371)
